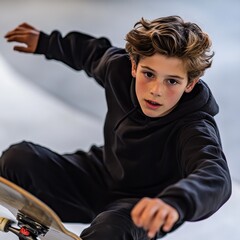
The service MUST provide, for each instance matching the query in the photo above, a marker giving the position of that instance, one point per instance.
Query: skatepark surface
(48, 103)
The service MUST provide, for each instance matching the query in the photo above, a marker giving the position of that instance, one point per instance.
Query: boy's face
(160, 83)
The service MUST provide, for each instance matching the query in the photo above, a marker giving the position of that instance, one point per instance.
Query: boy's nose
(155, 94)
(156, 90)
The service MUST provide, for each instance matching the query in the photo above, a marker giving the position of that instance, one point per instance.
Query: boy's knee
(112, 225)
(105, 226)
(14, 158)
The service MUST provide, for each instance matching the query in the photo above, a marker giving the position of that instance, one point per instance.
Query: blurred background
(50, 104)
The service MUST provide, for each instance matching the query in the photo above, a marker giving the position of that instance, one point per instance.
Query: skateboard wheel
(4, 223)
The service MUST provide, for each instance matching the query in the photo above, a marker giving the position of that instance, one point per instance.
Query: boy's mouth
(152, 104)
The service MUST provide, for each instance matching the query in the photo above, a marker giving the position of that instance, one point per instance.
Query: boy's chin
(151, 114)
(154, 114)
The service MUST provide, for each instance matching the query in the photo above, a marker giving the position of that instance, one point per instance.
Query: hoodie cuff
(43, 42)
(179, 205)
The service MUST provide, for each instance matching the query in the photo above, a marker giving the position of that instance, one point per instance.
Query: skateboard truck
(28, 228)
(32, 219)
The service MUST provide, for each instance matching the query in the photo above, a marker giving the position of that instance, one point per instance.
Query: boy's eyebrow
(148, 68)
(173, 76)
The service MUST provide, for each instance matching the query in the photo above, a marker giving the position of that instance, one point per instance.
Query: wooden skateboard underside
(17, 200)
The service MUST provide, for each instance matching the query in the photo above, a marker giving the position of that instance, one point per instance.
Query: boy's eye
(172, 81)
(148, 74)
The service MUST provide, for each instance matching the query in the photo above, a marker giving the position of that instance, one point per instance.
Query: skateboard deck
(35, 219)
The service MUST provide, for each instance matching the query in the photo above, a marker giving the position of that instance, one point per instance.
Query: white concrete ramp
(27, 112)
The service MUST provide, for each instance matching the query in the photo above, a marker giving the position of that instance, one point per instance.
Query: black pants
(74, 186)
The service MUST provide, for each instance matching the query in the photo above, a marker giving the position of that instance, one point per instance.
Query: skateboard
(33, 220)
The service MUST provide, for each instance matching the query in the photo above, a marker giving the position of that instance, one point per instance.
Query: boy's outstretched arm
(78, 50)
(25, 34)
(153, 214)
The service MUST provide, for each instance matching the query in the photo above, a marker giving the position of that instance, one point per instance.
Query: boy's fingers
(157, 222)
(163, 220)
(22, 49)
(8, 34)
(170, 221)
(137, 211)
(17, 38)
(14, 33)
(21, 29)
(150, 214)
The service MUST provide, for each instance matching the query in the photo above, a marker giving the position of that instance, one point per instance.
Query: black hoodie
(177, 157)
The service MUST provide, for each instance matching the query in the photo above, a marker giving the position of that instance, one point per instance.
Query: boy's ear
(134, 67)
(191, 85)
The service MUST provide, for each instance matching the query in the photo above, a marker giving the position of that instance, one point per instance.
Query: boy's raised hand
(25, 34)
(153, 214)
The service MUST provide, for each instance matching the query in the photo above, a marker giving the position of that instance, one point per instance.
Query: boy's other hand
(25, 34)
(152, 214)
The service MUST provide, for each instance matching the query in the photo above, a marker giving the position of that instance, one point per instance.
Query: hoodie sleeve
(206, 183)
(77, 50)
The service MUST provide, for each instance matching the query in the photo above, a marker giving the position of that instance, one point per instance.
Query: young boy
(162, 161)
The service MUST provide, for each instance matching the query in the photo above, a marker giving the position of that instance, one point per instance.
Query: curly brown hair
(172, 37)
